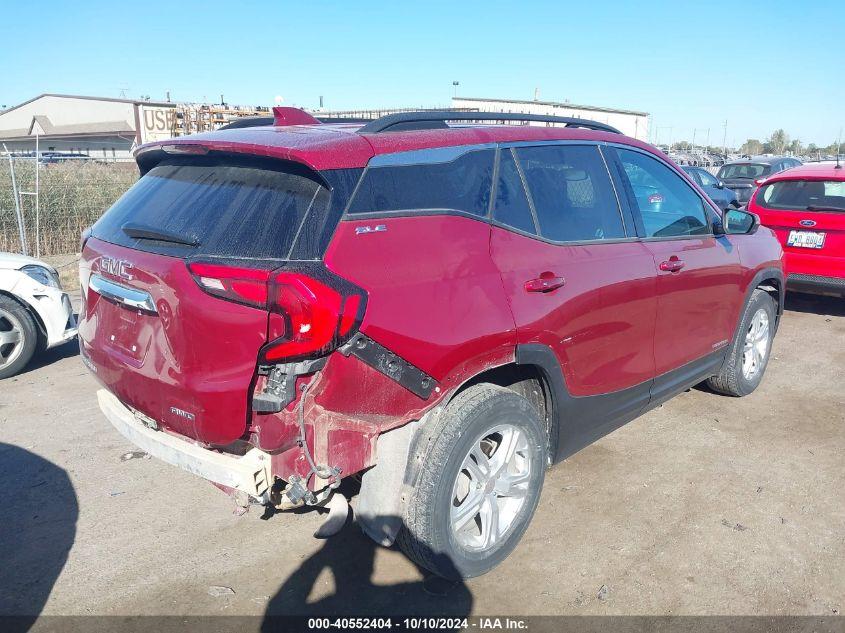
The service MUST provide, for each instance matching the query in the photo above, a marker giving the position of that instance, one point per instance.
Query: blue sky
(760, 65)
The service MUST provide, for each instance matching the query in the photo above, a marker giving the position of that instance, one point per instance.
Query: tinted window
(744, 170)
(667, 204)
(227, 209)
(461, 184)
(706, 179)
(511, 206)
(803, 195)
(572, 192)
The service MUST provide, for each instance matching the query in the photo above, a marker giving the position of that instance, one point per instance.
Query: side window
(706, 179)
(460, 184)
(572, 193)
(668, 206)
(511, 205)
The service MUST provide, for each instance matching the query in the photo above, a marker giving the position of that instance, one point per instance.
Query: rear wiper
(141, 232)
(813, 207)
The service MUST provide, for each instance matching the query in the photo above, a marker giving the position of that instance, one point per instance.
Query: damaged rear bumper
(249, 473)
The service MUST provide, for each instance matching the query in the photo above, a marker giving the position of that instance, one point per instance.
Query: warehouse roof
(64, 96)
(554, 104)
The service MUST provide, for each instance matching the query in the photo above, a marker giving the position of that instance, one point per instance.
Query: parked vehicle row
(718, 192)
(744, 175)
(444, 310)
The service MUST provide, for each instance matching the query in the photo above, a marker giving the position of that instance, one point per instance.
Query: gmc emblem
(117, 267)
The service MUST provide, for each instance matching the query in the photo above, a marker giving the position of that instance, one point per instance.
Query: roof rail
(428, 119)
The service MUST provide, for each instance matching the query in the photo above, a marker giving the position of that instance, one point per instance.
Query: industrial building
(629, 122)
(103, 127)
(97, 126)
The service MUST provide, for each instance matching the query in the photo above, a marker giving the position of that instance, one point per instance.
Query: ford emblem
(807, 223)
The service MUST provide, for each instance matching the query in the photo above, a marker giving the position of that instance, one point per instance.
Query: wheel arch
(528, 379)
(773, 281)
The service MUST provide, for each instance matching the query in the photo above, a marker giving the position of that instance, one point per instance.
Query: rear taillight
(312, 311)
(311, 315)
(242, 285)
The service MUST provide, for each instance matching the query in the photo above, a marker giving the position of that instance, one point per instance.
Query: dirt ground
(707, 505)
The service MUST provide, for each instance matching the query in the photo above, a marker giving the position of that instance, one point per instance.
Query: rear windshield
(209, 207)
(744, 170)
(803, 195)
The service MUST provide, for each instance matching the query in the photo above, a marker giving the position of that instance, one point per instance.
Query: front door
(699, 277)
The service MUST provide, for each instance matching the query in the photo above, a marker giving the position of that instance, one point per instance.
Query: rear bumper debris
(249, 473)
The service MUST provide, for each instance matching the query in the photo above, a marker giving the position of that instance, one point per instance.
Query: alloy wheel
(11, 338)
(491, 488)
(756, 345)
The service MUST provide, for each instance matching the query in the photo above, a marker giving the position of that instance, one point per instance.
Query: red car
(805, 206)
(443, 310)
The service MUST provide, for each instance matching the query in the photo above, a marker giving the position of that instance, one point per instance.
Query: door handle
(546, 282)
(672, 265)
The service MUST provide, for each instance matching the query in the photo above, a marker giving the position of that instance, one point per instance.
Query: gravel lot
(707, 505)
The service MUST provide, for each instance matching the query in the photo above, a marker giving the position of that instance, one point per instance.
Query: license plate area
(805, 239)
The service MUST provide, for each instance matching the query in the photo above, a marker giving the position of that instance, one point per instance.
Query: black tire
(426, 536)
(732, 381)
(14, 315)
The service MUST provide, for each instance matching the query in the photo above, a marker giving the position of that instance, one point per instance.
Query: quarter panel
(435, 297)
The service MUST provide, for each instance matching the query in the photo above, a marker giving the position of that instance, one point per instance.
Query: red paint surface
(697, 306)
(435, 297)
(828, 261)
(600, 323)
(198, 354)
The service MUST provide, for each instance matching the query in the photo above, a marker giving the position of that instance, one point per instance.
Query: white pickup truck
(35, 313)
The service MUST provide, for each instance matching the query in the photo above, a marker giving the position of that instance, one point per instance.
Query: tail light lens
(312, 312)
(241, 285)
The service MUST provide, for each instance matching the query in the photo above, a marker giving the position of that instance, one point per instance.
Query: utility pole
(725, 138)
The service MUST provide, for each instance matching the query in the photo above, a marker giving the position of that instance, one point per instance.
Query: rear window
(245, 209)
(744, 170)
(461, 184)
(571, 192)
(803, 195)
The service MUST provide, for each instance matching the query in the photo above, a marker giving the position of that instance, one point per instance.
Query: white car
(35, 313)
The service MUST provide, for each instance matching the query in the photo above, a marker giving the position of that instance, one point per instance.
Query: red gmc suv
(439, 306)
(805, 206)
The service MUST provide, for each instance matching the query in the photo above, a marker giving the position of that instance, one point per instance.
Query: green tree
(777, 142)
(752, 146)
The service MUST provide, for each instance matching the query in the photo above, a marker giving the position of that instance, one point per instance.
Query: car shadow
(37, 531)
(350, 559)
(814, 304)
(50, 356)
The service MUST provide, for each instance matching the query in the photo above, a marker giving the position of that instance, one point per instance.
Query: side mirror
(741, 222)
(720, 185)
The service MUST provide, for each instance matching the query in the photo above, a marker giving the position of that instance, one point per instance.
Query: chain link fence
(72, 195)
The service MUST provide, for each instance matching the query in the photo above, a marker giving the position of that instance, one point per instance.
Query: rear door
(576, 281)
(699, 283)
(148, 331)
